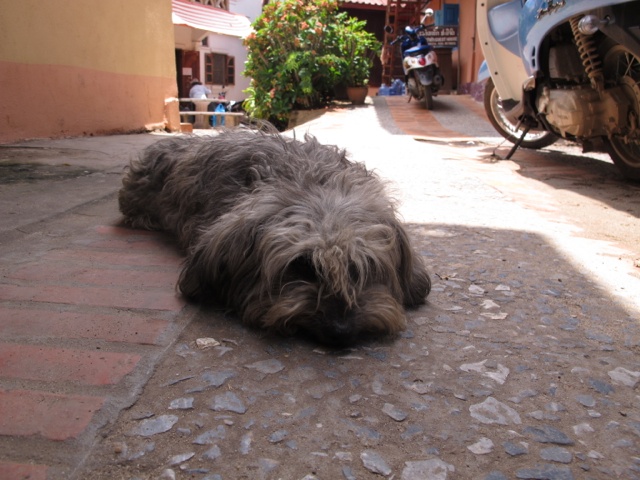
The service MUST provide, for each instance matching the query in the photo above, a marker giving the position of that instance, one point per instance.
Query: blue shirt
(199, 91)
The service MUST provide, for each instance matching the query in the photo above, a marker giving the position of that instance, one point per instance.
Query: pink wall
(60, 101)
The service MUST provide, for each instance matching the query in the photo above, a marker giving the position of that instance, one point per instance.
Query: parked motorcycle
(512, 130)
(419, 63)
(567, 68)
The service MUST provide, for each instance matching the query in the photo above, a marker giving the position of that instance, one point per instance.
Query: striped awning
(209, 19)
(371, 3)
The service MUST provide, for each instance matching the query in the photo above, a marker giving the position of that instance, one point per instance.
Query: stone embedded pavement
(523, 364)
(86, 308)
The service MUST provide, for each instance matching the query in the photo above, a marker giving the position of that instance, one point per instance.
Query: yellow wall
(72, 68)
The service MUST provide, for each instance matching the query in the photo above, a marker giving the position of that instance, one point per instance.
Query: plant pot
(357, 95)
(340, 92)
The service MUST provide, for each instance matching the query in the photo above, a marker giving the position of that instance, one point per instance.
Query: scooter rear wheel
(495, 112)
(427, 97)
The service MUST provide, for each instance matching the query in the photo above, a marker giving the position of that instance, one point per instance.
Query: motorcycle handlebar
(417, 29)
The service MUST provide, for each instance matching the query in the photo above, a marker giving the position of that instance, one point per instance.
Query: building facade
(209, 45)
(94, 67)
(454, 25)
(86, 68)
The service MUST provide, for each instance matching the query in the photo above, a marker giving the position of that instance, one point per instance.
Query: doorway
(187, 68)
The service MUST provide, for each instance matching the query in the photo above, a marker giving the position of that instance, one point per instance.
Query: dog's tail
(138, 198)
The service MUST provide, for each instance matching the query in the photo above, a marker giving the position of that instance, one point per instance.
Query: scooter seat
(417, 50)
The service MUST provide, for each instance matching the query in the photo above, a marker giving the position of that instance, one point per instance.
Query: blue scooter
(565, 68)
(419, 63)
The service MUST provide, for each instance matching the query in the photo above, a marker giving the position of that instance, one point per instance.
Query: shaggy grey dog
(289, 235)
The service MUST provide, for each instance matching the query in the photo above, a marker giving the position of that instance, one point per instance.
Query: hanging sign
(442, 36)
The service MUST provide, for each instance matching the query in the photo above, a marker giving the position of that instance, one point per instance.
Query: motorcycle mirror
(388, 29)
(428, 13)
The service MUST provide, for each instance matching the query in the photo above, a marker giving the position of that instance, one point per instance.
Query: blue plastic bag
(214, 118)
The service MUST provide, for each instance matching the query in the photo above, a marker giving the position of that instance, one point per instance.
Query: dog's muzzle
(337, 325)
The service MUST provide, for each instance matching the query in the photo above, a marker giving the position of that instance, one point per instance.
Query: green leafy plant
(299, 52)
(357, 49)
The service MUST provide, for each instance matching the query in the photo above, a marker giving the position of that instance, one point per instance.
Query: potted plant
(356, 48)
(300, 53)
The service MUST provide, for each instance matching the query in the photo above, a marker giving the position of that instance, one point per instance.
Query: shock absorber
(588, 54)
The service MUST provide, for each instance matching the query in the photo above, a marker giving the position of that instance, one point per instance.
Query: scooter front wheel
(495, 112)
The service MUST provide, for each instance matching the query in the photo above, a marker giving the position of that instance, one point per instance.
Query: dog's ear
(416, 283)
(222, 261)
(194, 279)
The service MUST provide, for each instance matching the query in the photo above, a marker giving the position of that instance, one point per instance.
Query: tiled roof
(373, 3)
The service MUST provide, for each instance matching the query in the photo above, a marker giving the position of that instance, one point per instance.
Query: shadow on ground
(518, 365)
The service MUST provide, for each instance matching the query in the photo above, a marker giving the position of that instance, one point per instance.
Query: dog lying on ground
(289, 235)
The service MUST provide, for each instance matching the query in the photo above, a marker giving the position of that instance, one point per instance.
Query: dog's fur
(289, 235)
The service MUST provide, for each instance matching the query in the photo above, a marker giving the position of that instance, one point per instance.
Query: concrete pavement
(86, 308)
(88, 311)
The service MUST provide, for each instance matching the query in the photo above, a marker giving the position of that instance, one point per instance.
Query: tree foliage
(299, 52)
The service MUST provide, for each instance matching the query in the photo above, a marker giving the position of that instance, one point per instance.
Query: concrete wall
(85, 67)
(468, 57)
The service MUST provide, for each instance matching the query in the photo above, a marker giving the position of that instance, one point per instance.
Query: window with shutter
(219, 69)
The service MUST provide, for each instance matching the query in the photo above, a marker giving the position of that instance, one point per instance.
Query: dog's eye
(302, 269)
(354, 273)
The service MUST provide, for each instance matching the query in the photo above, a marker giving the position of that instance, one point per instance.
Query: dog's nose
(339, 334)
(338, 327)
(341, 331)
(342, 326)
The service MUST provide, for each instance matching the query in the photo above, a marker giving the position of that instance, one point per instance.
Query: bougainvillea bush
(299, 52)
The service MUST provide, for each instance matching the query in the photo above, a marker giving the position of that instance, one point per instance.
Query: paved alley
(523, 364)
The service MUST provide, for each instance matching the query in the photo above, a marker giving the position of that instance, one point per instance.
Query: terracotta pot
(357, 95)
